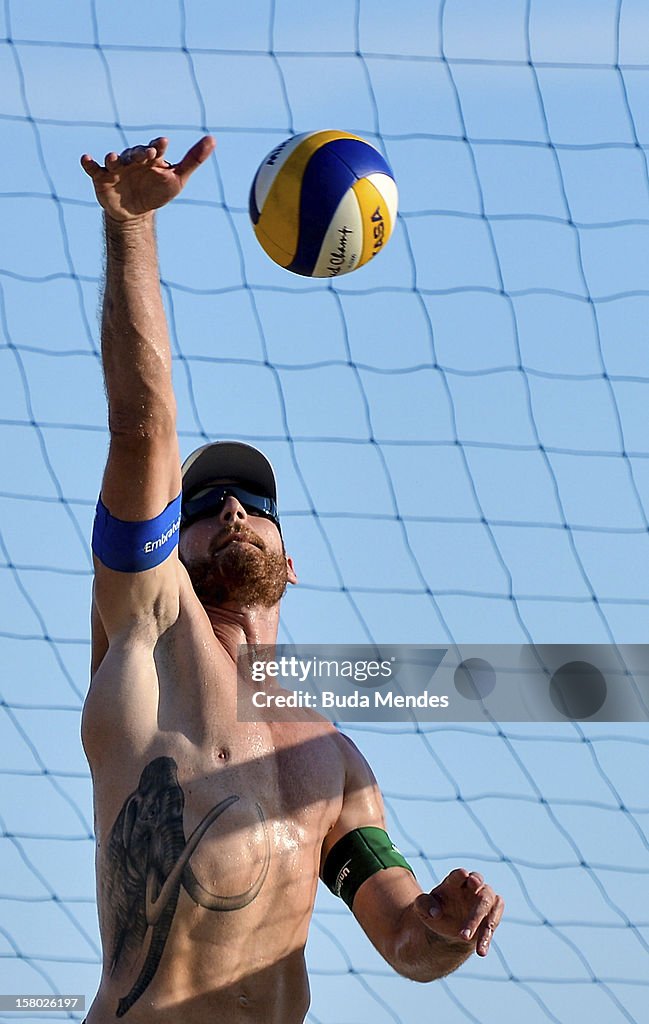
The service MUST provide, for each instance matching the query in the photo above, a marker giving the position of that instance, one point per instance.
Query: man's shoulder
(355, 763)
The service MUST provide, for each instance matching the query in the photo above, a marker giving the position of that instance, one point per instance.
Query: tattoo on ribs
(148, 861)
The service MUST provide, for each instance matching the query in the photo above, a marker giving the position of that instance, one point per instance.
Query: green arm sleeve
(358, 856)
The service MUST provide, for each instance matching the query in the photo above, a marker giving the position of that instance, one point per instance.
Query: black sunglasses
(209, 502)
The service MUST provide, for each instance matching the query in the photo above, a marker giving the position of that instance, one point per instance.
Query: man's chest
(292, 776)
(227, 830)
(201, 770)
(294, 767)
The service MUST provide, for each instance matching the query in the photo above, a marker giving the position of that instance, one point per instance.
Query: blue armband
(134, 547)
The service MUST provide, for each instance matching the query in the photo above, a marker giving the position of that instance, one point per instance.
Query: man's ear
(290, 570)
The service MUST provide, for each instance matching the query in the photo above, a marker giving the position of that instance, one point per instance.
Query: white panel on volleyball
(276, 159)
(343, 243)
(386, 186)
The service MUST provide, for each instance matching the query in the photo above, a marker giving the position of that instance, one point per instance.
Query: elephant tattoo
(149, 859)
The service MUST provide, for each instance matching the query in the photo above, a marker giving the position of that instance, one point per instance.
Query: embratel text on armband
(135, 547)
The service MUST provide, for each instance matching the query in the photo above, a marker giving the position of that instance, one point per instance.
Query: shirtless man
(211, 833)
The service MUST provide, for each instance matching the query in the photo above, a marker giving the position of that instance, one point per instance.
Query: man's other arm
(423, 936)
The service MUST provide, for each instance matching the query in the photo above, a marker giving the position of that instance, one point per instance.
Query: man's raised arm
(142, 474)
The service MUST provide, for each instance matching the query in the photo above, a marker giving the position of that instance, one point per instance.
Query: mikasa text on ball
(323, 203)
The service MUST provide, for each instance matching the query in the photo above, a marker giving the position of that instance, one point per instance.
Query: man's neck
(234, 626)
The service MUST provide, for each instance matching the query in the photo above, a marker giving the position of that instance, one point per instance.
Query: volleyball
(323, 203)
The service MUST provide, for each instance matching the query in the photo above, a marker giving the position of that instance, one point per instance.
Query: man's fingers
(195, 157)
(486, 900)
(90, 166)
(427, 907)
(474, 881)
(153, 154)
(488, 926)
(138, 154)
(160, 145)
(457, 877)
(461, 878)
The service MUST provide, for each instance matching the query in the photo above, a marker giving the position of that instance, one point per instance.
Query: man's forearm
(135, 343)
(422, 955)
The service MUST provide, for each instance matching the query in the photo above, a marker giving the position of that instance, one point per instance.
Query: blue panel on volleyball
(326, 180)
(252, 202)
(361, 158)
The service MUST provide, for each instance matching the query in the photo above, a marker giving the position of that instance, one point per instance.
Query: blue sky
(459, 430)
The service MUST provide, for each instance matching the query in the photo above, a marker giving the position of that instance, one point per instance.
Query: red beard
(246, 574)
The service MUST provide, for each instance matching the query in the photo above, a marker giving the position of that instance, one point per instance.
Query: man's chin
(241, 574)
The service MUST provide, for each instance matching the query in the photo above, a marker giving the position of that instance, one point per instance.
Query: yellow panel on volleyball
(279, 218)
(376, 196)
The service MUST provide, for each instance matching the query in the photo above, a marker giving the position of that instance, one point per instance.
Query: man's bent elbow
(424, 972)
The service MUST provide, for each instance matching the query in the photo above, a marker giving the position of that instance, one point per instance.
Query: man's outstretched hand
(140, 179)
(462, 909)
